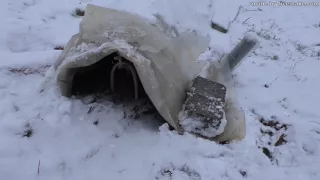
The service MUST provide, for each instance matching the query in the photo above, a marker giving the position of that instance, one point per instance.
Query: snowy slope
(46, 136)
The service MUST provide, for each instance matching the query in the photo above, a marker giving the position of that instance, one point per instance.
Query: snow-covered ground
(46, 136)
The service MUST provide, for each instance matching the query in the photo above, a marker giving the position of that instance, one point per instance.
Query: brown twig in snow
(246, 20)
(235, 18)
(268, 85)
(39, 168)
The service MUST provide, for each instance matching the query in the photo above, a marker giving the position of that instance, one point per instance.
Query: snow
(84, 49)
(220, 16)
(277, 83)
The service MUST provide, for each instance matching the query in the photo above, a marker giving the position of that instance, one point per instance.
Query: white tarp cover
(164, 65)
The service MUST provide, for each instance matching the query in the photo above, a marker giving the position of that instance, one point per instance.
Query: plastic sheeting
(164, 65)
